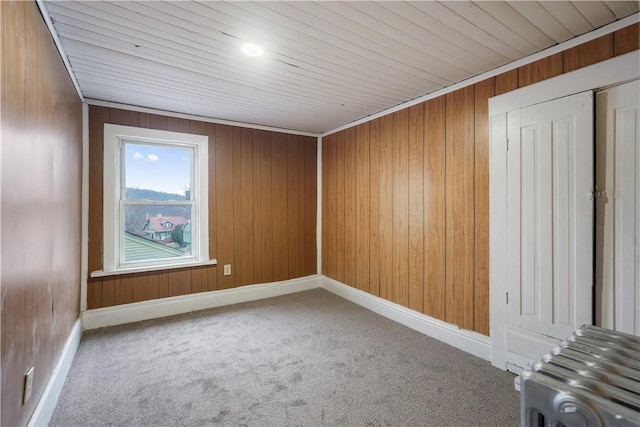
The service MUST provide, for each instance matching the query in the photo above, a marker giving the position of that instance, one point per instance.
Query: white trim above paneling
(156, 308)
(468, 341)
(108, 104)
(607, 29)
(58, 43)
(49, 399)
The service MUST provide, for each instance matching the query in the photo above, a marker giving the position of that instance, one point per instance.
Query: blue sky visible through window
(157, 168)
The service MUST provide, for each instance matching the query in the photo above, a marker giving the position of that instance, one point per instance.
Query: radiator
(591, 379)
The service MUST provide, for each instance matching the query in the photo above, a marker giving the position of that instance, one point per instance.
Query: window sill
(102, 273)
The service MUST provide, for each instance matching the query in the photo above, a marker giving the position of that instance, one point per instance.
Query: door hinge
(596, 194)
(507, 297)
(507, 144)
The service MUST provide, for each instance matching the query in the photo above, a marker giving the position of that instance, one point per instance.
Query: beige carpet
(310, 359)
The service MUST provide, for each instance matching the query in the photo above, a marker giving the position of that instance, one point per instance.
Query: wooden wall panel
(460, 207)
(246, 210)
(386, 206)
(108, 291)
(309, 200)
(326, 226)
(415, 256)
(123, 289)
(350, 207)
(374, 207)
(224, 202)
(258, 221)
(506, 82)
(337, 186)
(400, 288)
(266, 206)
(212, 282)
(542, 69)
(434, 207)
(279, 197)
(483, 91)
(428, 168)
(146, 287)
(293, 208)
(199, 280)
(362, 207)
(331, 201)
(41, 177)
(237, 205)
(588, 53)
(626, 40)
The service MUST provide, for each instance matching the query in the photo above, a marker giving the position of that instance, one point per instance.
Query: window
(155, 200)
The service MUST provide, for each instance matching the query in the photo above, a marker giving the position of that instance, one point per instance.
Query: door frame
(613, 71)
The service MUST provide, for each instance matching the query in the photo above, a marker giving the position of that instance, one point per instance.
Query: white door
(549, 225)
(618, 208)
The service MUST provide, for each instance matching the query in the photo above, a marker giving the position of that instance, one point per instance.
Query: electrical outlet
(227, 269)
(28, 385)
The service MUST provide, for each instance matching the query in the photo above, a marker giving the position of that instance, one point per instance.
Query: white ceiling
(326, 63)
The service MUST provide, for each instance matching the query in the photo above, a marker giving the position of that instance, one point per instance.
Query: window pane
(157, 172)
(156, 232)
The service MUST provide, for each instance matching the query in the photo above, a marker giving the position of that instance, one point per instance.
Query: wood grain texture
(292, 151)
(350, 207)
(108, 291)
(588, 53)
(94, 293)
(483, 91)
(310, 202)
(362, 207)
(326, 228)
(338, 188)
(386, 206)
(236, 266)
(199, 278)
(257, 206)
(40, 181)
(400, 289)
(542, 69)
(97, 117)
(460, 207)
(123, 289)
(212, 283)
(374, 207)
(506, 82)
(246, 188)
(279, 197)
(266, 207)
(415, 256)
(434, 207)
(331, 201)
(224, 202)
(178, 281)
(626, 40)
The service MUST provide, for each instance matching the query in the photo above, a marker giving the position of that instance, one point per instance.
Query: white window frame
(115, 137)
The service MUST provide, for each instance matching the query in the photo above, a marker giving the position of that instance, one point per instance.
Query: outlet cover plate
(227, 269)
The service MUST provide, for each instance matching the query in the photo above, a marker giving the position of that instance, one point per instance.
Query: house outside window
(155, 199)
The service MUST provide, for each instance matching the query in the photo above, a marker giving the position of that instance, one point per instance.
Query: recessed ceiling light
(252, 49)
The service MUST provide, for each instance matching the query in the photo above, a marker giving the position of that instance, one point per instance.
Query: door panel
(618, 208)
(550, 220)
